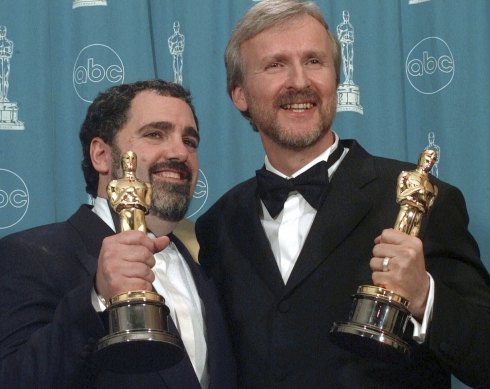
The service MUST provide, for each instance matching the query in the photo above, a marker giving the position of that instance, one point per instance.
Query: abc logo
(97, 68)
(14, 199)
(430, 65)
(199, 197)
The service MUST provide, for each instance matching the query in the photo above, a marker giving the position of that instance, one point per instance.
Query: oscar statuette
(137, 337)
(378, 317)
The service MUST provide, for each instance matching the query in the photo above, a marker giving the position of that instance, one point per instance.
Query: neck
(158, 226)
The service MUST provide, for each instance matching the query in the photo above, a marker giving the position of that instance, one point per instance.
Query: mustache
(298, 96)
(181, 167)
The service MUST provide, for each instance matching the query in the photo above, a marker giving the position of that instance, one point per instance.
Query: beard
(169, 201)
(263, 119)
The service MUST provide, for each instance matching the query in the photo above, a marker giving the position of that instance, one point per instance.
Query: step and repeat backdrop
(414, 74)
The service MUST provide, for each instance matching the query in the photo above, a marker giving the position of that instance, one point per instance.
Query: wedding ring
(386, 262)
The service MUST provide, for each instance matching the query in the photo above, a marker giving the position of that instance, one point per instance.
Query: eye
(314, 61)
(191, 142)
(153, 135)
(273, 65)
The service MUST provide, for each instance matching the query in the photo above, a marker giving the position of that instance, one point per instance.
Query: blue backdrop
(416, 73)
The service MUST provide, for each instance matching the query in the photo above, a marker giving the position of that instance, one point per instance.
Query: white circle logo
(430, 65)
(200, 195)
(96, 68)
(14, 199)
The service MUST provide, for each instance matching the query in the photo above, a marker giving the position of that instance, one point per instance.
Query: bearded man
(55, 279)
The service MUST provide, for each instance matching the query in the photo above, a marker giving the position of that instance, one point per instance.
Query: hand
(125, 263)
(406, 274)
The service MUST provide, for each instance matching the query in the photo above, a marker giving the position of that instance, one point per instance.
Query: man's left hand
(405, 273)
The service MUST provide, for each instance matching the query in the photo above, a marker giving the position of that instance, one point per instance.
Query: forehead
(304, 29)
(149, 106)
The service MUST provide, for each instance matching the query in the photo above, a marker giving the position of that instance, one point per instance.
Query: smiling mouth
(298, 107)
(171, 174)
(171, 171)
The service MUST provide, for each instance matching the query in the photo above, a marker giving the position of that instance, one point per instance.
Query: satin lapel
(249, 239)
(92, 231)
(341, 212)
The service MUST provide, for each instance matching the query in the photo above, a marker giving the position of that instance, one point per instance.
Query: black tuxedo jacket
(281, 332)
(48, 327)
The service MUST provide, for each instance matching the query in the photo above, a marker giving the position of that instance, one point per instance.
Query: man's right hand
(126, 261)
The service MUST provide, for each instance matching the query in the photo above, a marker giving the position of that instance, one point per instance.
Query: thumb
(160, 243)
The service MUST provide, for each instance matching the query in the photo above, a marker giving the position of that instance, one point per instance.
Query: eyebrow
(165, 126)
(284, 56)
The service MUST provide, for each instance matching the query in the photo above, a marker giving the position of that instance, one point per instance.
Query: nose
(176, 150)
(298, 77)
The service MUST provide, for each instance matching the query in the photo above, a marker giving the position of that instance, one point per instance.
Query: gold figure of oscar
(130, 197)
(137, 337)
(378, 317)
(415, 194)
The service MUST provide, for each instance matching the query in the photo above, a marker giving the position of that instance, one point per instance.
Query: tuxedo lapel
(218, 343)
(249, 238)
(337, 217)
(92, 230)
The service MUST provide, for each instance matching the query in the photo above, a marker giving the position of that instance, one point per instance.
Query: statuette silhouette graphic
(176, 44)
(88, 3)
(348, 94)
(431, 136)
(8, 110)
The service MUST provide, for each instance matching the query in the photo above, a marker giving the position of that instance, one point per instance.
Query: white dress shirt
(288, 231)
(173, 281)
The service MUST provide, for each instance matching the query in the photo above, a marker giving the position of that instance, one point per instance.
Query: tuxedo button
(284, 306)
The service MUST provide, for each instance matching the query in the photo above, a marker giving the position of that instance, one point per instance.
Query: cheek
(327, 84)
(194, 166)
(142, 175)
(264, 89)
(142, 169)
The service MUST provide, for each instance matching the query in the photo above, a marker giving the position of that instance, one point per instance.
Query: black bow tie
(273, 190)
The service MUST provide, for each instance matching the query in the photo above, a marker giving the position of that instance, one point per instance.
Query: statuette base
(376, 325)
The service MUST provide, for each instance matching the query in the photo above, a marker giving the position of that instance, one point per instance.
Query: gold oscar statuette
(137, 337)
(378, 317)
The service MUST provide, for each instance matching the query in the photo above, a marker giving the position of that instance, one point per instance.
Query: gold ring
(386, 262)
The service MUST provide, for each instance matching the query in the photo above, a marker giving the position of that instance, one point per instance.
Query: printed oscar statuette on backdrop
(378, 317)
(137, 337)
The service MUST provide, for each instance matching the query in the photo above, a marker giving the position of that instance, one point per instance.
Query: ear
(101, 156)
(238, 97)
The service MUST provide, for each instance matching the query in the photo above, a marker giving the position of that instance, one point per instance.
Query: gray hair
(264, 15)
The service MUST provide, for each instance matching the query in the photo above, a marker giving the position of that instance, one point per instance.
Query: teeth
(170, 175)
(298, 107)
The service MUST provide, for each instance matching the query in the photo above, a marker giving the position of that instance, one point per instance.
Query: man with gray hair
(288, 247)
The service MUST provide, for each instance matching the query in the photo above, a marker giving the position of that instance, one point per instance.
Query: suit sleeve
(460, 328)
(47, 331)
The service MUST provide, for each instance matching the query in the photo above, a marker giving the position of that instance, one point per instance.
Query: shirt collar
(101, 209)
